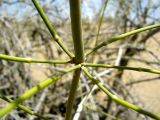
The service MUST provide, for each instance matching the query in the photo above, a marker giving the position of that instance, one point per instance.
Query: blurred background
(23, 34)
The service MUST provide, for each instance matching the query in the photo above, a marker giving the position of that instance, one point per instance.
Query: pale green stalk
(72, 94)
(119, 100)
(139, 69)
(31, 60)
(51, 28)
(75, 13)
(29, 93)
(122, 36)
(25, 109)
(99, 25)
(100, 21)
(76, 24)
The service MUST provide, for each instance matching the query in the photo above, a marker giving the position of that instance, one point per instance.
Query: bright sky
(18, 10)
(89, 8)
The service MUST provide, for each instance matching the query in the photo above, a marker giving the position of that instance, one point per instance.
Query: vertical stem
(75, 13)
(72, 94)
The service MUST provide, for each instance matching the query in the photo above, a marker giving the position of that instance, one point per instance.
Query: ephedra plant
(79, 65)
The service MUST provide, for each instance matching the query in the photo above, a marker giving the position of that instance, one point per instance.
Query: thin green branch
(119, 100)
(139, 69)
(51, 28)
(26, 95)
(99, 25)
(30, 60)
(25, 109)
(100, 20)
(122, 36)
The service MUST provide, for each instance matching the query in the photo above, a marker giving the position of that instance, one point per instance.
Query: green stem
(122, 36)
(119, 100)
(51, 28)
(139, 69)
(75, 13)
(99, 25)
(25, 109)
(72, 94)
(30, 60)
(100, 21)
(26, 95)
